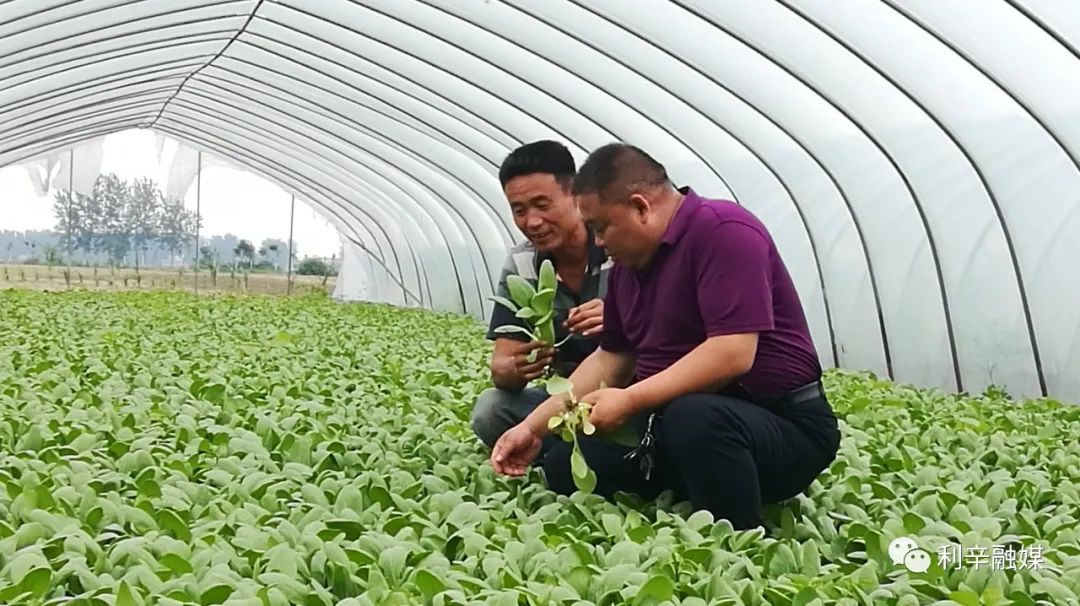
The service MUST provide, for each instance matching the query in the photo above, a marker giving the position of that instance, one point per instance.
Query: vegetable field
(162, 448)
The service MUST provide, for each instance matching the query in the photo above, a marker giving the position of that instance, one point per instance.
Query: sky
(233, 201)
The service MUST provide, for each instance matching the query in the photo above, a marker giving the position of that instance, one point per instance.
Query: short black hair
(617, 170)
(546, 157)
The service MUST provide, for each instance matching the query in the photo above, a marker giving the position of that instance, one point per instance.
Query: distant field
(43, 277)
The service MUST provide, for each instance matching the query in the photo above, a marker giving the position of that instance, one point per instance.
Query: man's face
(619, 227)
(542, 210)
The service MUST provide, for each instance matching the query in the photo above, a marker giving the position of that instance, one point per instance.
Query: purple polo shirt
(716, 272)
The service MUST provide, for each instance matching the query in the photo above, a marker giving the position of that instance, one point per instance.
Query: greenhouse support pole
(292, 215)
(198, 215)
(71, 200)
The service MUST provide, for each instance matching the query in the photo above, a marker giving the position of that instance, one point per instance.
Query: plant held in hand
(533, 305)
(574, 420)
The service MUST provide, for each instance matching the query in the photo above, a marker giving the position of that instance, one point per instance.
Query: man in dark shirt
(705, 342)
(536, 179)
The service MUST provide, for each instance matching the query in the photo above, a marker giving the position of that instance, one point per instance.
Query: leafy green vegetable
(574, 420)
(162, 448)
(533, 305)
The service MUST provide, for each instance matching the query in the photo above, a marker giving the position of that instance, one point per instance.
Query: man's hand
(511, 368)
(515, 450)
(611, 408)
(532, 370)
(586, 319)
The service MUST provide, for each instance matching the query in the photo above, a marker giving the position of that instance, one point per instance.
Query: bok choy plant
(574, 420)
(534, 306)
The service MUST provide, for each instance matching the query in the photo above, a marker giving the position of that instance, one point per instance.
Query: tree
(143, 217)
(177, 227)
(111, 193)
(245, 250)
(119, 217)
(313, 266)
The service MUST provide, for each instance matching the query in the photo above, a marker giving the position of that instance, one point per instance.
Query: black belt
(805, 393)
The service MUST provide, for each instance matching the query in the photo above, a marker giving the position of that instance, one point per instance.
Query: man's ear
(640, 205)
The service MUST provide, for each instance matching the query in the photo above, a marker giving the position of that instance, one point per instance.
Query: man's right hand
(515, 450)
(513, 365)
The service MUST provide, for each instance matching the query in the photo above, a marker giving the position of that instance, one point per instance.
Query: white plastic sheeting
(917, 161)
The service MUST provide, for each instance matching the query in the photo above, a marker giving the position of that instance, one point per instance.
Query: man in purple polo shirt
(707, 348)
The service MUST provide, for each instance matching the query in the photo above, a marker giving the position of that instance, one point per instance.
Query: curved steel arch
(359, 125)
(507, 104)
(369, 167)
(527, 51)
(239, 32)
(974, 166)
(83, 60)
(464, 222)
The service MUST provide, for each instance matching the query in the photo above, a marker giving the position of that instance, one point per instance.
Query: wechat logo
(904, 551)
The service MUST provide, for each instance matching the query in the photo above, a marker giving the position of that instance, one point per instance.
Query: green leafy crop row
(167, 449)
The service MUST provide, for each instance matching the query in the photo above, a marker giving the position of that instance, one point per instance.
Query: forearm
(613, 369)
(707, 368)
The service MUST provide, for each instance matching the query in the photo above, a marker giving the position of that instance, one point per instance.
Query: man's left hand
(587, 318)
(611, 407)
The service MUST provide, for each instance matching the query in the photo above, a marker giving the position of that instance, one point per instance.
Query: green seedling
(574, 420)
(533, 305)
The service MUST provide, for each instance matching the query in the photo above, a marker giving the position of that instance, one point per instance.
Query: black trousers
(725, 454)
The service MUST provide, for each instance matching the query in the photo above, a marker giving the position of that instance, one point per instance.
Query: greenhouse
(190, 417)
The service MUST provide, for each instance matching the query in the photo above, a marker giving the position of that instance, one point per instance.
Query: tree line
(121, 220)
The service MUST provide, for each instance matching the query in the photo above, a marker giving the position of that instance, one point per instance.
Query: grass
(52, 278)
(162, 448)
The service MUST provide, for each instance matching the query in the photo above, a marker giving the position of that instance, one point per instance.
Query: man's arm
(732, 271)
(707, 368)
(615, 369)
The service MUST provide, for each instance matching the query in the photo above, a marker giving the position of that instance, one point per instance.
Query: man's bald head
(617, 171)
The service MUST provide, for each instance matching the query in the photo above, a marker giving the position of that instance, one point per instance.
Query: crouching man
(536, 179)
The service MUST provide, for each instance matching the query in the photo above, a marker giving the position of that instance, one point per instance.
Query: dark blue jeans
(726, 455)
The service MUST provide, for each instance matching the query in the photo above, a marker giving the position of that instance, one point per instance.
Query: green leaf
(586, 484)
(811, 559)
(547, 279)
(170, 521)
(428, 583)
(578, 467)
(542, 300)
(526, 313)
(176, 564)
(521, 291)
(558, 385)
(507, 303)
(126, 597)
(213, 393)
(216, 595)
(965, 598)
(657, 589)
(37, 581)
